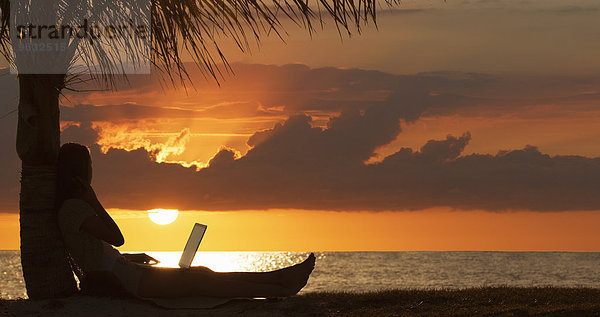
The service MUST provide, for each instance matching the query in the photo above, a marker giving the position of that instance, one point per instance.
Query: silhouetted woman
(89, 234)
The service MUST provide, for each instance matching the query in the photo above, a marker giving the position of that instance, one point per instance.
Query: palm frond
(197, 26)
(190, 29)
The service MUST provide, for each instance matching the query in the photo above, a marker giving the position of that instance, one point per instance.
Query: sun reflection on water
(234, 261)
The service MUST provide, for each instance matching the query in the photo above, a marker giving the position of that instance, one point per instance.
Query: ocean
(370, 271)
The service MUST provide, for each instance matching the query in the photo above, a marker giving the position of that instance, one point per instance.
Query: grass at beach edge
(494, 301)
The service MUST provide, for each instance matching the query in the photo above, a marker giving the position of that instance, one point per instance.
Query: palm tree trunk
(46, 270)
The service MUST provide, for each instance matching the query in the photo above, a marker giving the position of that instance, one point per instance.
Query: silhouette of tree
(180, 28)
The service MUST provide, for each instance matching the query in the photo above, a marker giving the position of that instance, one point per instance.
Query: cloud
(572, 9)
(297, 165)
(82, 133)
(302, 163)
(129, 112)
(276, 92)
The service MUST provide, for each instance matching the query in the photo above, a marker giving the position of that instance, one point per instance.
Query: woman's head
(74, 162)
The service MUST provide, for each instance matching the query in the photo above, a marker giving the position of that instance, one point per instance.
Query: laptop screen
(192, 245)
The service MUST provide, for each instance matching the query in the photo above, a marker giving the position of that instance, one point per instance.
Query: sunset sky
(458, 125)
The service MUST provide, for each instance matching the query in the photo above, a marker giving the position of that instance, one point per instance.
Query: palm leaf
(195, 28)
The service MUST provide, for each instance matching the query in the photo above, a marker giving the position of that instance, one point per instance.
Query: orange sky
(555, 132)
(540, 101)
(298, 230)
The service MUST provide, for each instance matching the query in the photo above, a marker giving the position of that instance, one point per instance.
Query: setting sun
(163, 216)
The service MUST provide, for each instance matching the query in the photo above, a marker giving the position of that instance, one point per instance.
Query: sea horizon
(364, 271)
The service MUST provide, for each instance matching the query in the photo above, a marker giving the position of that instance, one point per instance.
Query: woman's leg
(272, 277)
(172, 282)
(164, 282)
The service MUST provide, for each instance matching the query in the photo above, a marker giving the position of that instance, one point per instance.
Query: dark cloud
(573, 9)
(276, 91)
(131, 112)
(123, 112)
(296, 165)
(83, 133)
(396, 11)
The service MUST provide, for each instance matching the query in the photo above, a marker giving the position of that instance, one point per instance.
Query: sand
(497, 301)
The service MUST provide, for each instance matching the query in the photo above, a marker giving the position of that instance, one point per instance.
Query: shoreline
(497, 301)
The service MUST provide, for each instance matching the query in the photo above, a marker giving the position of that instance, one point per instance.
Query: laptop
(192, 245)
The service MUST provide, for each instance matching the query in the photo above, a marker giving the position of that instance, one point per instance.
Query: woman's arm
(101, 226)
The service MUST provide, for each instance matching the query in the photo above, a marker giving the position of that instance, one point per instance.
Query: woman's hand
(141, 258)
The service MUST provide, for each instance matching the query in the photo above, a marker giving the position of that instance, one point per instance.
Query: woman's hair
(73, 161)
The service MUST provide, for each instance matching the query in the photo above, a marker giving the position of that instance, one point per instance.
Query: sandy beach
(502, 301)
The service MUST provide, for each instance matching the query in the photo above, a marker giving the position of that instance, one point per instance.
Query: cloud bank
(297, 165)
(301, 163)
